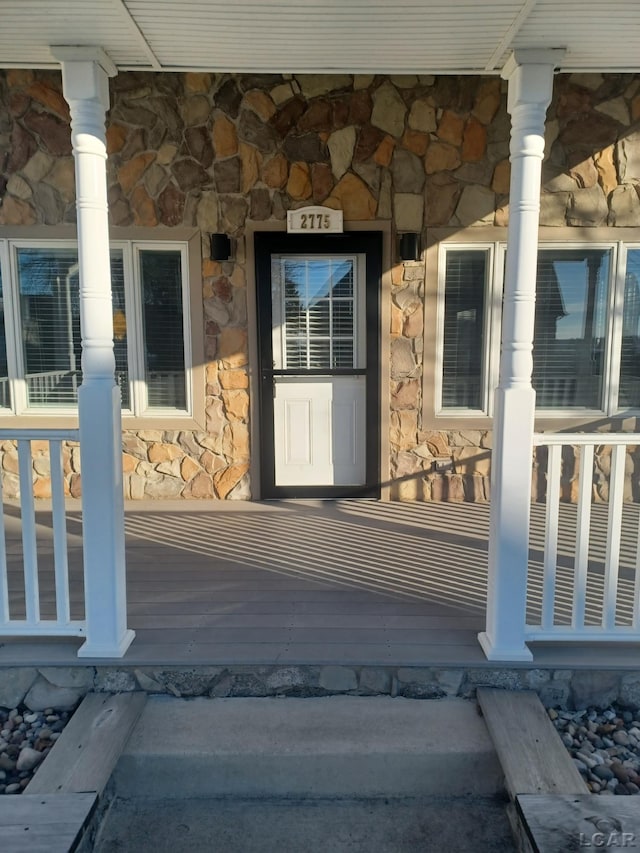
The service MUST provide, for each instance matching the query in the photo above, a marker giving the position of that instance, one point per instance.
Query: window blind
(629, 388)
(319, 314)
(162, 314)
(5, 390)
(50, 325)
(49, 292)
(570, 328)
(120, 327)
(464, 308)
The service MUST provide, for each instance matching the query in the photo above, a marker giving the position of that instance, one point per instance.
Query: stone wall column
(530, 77)
(85, 81)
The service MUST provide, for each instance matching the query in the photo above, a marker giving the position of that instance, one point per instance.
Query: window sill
(545, 421)
(129, 422)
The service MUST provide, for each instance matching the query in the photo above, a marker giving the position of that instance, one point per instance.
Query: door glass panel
(296, 317)
(314, 313)
(343, 279)
(319, 354)
(343, 318)
(342, 353)
(319, 319)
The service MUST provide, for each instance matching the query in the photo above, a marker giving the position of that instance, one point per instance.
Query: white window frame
(496, 249)
(131, 250)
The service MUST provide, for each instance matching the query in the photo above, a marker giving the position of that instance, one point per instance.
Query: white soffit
(596, 32)
(331, 36)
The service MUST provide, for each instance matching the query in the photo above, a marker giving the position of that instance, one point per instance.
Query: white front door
(319, 370)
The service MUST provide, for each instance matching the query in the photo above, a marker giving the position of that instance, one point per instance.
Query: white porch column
(85, 81)
(530, 76)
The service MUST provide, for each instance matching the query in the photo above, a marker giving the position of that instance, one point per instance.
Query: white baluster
(28, 524)
(554, 473)
(583, 528)
(59, 523)
(614, 535)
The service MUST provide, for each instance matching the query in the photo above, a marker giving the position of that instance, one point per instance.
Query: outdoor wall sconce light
(220, 247)
(409, 246)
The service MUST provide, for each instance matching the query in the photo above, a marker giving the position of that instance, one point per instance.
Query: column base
(496, 653)
(101, 650)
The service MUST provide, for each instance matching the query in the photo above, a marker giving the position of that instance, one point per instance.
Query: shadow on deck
(312, 582)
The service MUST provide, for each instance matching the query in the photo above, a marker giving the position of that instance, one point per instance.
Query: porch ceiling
(305, 36)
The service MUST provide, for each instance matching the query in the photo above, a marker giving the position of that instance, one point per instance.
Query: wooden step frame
(86, 752)
(532, 755)
(534, 760)
(58, 805)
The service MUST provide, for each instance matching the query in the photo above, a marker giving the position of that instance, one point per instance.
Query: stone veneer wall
(62, 687)
(213, 151)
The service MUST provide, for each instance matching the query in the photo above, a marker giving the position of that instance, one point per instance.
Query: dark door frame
(370, 244)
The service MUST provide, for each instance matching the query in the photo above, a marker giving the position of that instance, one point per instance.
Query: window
(586, 350)
(463, 374)
(315, 312)
(40, 346)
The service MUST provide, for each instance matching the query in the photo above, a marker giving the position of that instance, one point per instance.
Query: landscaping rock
(32, 737)
(44, 695)
(603, 747)
(14, 684)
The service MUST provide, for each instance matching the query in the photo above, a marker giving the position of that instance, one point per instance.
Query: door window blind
(319, 313)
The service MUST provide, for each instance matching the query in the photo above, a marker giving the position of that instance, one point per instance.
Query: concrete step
(333, 747)
(428, 825)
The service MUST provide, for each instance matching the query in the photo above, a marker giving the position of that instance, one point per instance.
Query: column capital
(530, 77)
(85, 73)
(532, 56)
(84, 53)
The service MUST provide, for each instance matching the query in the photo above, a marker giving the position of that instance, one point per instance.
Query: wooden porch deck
(305, 582)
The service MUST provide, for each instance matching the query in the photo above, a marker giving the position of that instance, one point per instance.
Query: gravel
(26, 738)
(605, 747)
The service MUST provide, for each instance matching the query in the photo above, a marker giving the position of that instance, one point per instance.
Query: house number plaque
(314, 220)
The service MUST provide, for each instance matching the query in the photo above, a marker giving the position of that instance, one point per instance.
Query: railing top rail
(606, 438)
(40, 434)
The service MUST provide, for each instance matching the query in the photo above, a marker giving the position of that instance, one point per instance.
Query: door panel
(349, 429)
(319, 429)
(317, 298)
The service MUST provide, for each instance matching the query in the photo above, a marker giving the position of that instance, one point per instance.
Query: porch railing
(584, 572)
(35, 598)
